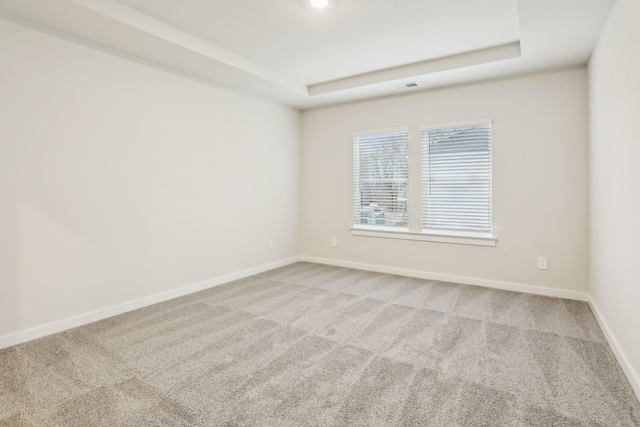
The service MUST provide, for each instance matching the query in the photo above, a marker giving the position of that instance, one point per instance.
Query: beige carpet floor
(313, 345)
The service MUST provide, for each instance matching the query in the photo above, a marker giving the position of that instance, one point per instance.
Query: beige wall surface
(614, 88)
(119, 181)
(540, 167)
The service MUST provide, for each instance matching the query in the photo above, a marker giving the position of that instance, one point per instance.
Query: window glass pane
(381, 178)
(456, 179)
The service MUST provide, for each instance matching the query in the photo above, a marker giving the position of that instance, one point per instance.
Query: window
(381, 180)
(456, 179)
(455, 203)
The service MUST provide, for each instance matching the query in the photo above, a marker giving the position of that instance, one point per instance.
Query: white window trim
(381, 131)
(397, 129)
(404, 234)
(426, 236)
(456, 124)
(460, 236)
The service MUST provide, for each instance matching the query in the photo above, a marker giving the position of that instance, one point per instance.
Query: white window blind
(456, 179)
(381, 180)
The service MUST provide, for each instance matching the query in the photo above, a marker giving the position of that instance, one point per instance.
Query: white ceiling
(287, 51)
(354, 37)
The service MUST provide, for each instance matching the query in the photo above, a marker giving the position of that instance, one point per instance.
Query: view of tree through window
(382, 179)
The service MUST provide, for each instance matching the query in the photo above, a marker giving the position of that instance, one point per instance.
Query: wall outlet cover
(542, 263)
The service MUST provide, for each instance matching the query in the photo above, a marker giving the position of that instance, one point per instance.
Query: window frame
(356, 179)
(425, 175)
(415, 206)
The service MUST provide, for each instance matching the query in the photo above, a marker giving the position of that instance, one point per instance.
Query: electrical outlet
(270, 245)
(542, 263)
(334, 242)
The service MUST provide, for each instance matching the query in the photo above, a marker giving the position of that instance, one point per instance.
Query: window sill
(424, 237)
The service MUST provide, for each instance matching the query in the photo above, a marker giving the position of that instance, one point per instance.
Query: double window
(454, 176)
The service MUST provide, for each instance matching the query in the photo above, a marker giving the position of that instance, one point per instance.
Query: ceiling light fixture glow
(319, 3)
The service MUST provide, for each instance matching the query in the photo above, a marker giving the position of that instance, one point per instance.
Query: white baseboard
(83, 319)
(517, 287)
(632, 375)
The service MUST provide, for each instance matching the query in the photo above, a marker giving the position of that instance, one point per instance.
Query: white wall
(540, 180)
(119, 181)
(614, 87)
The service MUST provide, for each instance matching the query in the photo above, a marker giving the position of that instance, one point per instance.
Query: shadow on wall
(10, 298)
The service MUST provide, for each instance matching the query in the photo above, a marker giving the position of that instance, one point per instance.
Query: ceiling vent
(409, 85)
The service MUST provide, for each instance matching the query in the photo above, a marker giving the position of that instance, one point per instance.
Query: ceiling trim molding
(122, 29)
(582, 67)
(430, 66)
(115, 28)
(128, 16)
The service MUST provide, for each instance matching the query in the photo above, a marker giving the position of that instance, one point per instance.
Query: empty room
(319, 213)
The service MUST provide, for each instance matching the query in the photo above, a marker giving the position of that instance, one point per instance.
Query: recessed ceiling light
(319, 3)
